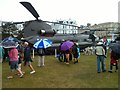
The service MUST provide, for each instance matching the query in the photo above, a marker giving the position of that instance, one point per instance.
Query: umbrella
(10, 42)
(43, 43)
(115, 47)
(67, 45)
(10, 39)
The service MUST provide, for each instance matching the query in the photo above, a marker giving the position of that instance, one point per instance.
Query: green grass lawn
(59, 75)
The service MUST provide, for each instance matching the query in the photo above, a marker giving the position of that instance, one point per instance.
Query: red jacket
(112, 57)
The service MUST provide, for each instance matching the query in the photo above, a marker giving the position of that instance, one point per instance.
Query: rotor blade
(31, 9)
(18, 22)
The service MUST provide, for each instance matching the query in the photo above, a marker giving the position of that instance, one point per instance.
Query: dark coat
(113, 58)
(41, 51)
(75, 52)
(27, 54)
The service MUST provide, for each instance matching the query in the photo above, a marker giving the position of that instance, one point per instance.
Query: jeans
(100, 61)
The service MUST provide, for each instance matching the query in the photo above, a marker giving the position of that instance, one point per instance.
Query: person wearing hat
(27, 57)
(100, 53)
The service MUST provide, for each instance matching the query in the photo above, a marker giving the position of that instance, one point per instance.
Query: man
(41, 56)
(100, 52)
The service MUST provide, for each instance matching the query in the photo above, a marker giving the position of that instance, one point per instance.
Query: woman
(13, 55)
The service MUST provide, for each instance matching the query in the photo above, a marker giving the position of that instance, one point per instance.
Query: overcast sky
(83, 11)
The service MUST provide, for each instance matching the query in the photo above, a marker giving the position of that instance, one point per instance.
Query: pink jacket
(13, 54)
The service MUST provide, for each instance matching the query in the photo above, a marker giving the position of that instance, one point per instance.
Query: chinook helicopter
(37, 26)
(39, 29)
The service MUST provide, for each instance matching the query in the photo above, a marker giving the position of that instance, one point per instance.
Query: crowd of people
(101, 53)
(22, 53)
(68, 55)
(15, 56)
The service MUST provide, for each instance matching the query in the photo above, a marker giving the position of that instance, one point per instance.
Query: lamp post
(106, 32)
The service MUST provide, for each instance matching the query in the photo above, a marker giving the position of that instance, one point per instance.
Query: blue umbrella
(43, 43)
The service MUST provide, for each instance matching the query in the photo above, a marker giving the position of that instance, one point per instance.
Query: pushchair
(60, 57)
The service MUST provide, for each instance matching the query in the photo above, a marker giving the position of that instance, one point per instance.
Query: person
(41, 56)
(113, 61)
(105, 48)
(27, 57)
(70, 54)
(5, 55)
(75, 53)
(20, 55)
(13, 55)
(61, 53)
(66, 57)
(78, 50)
(87, 51)
(105, 40)
(100, 52)
(1, 53)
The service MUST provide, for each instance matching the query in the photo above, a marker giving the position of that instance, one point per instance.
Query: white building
(65, 26)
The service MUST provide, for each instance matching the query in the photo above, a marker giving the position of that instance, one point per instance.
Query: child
(27, 57)
(113, 61)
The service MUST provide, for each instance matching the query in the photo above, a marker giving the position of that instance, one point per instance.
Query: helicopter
(37, 26)
(39, 29)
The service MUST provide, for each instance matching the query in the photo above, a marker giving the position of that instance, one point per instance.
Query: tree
(8, 29)
(88, 24)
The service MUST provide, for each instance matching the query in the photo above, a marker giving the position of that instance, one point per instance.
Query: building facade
(65, 26)
(105, 29)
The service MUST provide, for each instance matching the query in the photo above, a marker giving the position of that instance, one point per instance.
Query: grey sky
(83, 11)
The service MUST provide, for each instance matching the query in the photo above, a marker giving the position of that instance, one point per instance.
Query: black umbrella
(115, 47)
(10, 39)
(10, 42)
